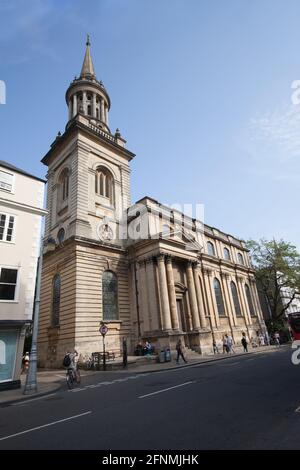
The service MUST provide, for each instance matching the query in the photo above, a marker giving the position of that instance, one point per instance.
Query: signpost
(103, 330)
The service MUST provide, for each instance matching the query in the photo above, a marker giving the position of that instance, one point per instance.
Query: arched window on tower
(219, 297)
(249, 300)
(211, 249)
(104, 184)
(63, 189)
(235, 298)
(110, 296)
(56, 285)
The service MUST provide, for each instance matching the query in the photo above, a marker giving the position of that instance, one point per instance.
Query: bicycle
(71, 378)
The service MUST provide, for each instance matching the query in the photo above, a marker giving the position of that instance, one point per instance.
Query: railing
(104, 134)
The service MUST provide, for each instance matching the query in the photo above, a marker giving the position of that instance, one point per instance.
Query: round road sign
(103, 329)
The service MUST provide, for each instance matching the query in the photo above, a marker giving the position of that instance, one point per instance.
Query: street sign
(103, 330)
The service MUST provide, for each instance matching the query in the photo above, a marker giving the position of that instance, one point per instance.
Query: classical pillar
(143, 296)
(152, 295)
(229, 306)
(209, 300)
(212, 298)
(229, 279)
(193, 298)
(253, 289)
(106, 115)
(243, 300)
(172, 294)
(74, 105)
(163, 287)
(199, 295)
(94, 114)
(70, 109)
(84, 102)
(102, 115)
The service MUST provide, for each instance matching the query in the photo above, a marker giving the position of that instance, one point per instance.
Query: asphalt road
(247, 402)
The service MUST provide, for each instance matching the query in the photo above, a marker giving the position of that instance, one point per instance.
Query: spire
(87, 70)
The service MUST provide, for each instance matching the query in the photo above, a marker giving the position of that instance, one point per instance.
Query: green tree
(277, 265)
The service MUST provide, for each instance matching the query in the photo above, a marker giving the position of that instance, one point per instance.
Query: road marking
(33, 399)
(232, 363)
(297, 410)
(167, 389)
(44, 426)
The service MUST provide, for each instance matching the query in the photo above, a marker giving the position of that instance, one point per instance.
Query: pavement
(50, 381)
(244, 402)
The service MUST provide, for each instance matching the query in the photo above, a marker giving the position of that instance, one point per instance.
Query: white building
(21, 211)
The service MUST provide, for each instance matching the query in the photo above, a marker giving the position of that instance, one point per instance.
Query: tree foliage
(277, 265)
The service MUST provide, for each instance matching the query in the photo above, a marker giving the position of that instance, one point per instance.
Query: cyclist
(73, 364)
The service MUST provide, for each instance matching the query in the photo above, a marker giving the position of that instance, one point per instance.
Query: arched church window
(226, 254)
(56, 285)
(104, 184)
(211, 249)
(235, 298)
(249, 300)
(110, 296)
(219, 297)
(240, 258)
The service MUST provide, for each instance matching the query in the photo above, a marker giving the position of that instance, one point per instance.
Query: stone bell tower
(88, 192)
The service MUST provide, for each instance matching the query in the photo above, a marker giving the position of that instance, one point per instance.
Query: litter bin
(162, 356)
(167, 355)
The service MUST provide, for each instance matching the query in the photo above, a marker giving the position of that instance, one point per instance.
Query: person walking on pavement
(215, 347)
(230, 344)
(179, 351)
(244, 342)
(225, 345)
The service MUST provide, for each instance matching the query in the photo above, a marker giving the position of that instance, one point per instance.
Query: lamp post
(31, 378)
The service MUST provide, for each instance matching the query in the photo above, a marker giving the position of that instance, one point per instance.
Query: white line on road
(166, 389)
(297, 410)
(33, 399)
(44, 426)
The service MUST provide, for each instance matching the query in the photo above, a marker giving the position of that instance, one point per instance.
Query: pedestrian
(230, 344)
(244, 342)
(215, 347)
(277, 338)
(179, 351)
(25, 363)
(261, 340)
(225, 345)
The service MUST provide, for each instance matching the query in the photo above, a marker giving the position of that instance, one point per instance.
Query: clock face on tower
(105, 232)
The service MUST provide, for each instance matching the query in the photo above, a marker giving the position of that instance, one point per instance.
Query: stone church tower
(88, 191)
(148, 271)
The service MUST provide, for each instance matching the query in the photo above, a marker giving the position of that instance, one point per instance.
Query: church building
(149, 272)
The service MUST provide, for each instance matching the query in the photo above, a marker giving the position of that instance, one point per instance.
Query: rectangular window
(6, 181)
(7, 223)
(8, 283)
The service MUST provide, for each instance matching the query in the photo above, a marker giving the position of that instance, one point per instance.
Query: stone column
(106, 115)
(163, 287)
(212, 297)
(172, 294)
(210, 304)
(152, 295)
(229, 306)
(234, 317)
(102, 115)
(94, 114)
(253, 289)
(143, 295)
(243, 300)
(70, 109)
(74, 105)
(193, 298)
(84, 103)
(199, 295)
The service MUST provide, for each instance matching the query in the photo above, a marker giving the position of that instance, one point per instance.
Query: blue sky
(201, 90)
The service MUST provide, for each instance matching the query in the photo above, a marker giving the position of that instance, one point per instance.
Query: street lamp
(31, 382)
